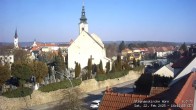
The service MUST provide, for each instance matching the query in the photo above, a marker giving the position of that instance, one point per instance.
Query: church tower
(83, 25)
(16, 39)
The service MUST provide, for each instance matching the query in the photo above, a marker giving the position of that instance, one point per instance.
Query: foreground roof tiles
(179, 96)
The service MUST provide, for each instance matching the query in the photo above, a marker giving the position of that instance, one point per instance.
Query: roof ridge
(94, 39)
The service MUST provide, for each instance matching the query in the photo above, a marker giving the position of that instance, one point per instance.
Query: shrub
(143, 84)
(138, 68)
(20, 92)
(60, 85)
(101, 77)
(117, 74)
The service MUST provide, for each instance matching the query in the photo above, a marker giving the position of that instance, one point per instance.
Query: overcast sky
(111, 20)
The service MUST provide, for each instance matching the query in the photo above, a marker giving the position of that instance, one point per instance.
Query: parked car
(95, 104)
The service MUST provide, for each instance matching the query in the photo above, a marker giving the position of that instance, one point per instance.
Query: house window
(10, 58)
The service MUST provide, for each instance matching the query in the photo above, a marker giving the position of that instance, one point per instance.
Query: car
(95, 104)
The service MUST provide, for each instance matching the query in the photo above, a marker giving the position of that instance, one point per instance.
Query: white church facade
(86, 46)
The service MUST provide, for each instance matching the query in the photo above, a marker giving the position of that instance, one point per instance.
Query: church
(86, 46)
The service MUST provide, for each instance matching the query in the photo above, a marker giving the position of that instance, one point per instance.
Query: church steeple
(83, 18)
(83, 25)
(16, 35)
(16, 39)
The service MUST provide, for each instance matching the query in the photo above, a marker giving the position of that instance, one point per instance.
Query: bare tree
(70, 101)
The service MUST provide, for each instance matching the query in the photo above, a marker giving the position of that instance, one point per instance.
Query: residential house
(126, 51)
(166, 71)
(163, 52)
(192, 50)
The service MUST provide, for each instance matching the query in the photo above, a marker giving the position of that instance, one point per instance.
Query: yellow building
(126, 51)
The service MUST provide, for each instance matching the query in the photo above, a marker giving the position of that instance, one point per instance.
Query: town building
(163, 52)
(86, 46)
(192, 50)
(9, 59)
(165, 71)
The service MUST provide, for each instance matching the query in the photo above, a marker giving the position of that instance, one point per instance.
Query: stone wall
(39, 97)
(92, 84)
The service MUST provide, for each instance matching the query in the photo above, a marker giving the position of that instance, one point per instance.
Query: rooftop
(177, 94)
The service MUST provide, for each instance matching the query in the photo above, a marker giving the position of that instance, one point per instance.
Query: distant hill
(149, 43)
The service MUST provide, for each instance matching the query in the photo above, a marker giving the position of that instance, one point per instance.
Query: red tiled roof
(35, 48)
(44, 44)
(40, 45)
(157, 90)
(177, 94)
(186, 95)
(126, 50)
(151, 49)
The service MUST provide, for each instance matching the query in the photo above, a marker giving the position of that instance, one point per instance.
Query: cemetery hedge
(19, 92)
(102, 77)
(60, 85)
(138, 68)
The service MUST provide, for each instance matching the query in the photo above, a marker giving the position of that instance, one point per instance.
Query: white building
(164, 51)
(6, 59)
(86, 46)
(166, 71)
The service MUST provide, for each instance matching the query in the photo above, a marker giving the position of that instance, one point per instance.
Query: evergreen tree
(77, 70)
(59, 61)
(89, 68)
(138, 63)
(183, 47)
(119, 63)
(121, 46)
(113, 67)
(108, 67)
(134, 62)
(126, 65)
(5, 73)
(97, 69)
(101, 67)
